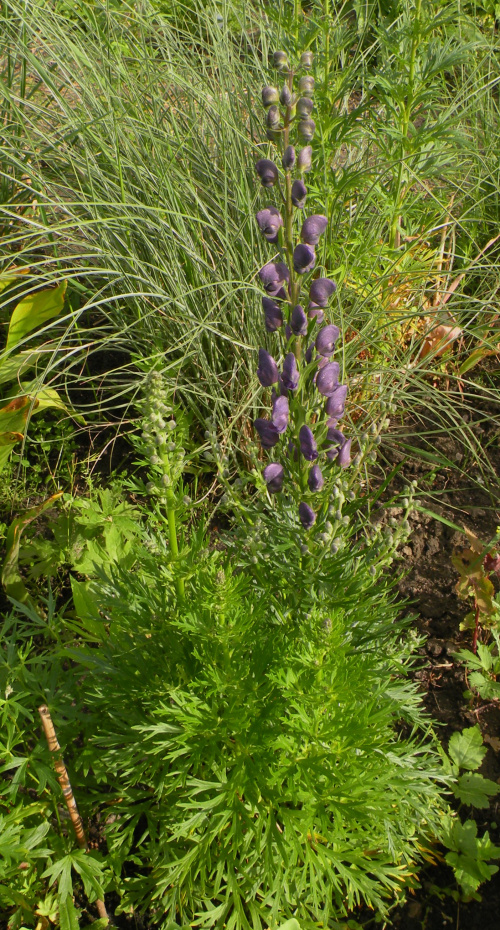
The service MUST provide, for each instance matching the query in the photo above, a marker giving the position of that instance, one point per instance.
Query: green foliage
(486, 667)
(469, 856)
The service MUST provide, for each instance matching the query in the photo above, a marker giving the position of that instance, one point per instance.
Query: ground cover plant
(220, 644)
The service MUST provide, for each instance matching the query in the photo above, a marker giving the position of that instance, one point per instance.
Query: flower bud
(299, 193)
(268, 433)
(285, 96)
(267, 171)
(326, 339)
(304, 160)
(288, 159)
(307, 128)
(306, 516)
(267, 372)
(304, 258)
(273, 476)
(290, 375)
(335, 403)
(328, 378)
(280, 413)
(306, 84)
(274, 276)
(312, 228)
(315, 479)
(280, 61)
(304, 107)
(298, 321)
(321, 290)
(273, 316)
(344, 458)
(171, 425)
(306, 60)
(269, 221)
(315, 312)
(308, 445)
(273, 118)
(270, 96)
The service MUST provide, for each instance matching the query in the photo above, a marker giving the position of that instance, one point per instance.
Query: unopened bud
(306, 84)
(307, 128)
(186, 500)
(280, 61)
(171, 425)
(306, 60)
(273, 118)
(270, 96)
(285, 96)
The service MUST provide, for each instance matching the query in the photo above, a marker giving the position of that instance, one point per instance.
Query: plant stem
(172, 528)
(407, 109)
(476, 626)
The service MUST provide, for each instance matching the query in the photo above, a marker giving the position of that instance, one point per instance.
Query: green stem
(326, 17)
(407, 108)
(172, 529)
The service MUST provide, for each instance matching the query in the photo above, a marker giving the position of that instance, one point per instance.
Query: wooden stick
(63, 779)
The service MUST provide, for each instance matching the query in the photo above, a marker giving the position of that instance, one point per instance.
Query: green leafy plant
(485, 666)
(476, 564)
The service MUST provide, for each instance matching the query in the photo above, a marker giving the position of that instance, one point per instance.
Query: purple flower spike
(290, 376)
(304, 258)
(344, 458)
(321, 290)
(335, 404)
(308, 445)
(299, 194)
(315, 479)
(338, 439)
(273, 316)
(267, 372)
(269, 221)
(313, 228)
(288, 159)
(304, 160)
(327, 379)
(298, 321)
(306, 516)
(315, 312)
(326, 339)
(273, 277)
(267, 171)
(268, 433)
(280, 413)
(273, 476)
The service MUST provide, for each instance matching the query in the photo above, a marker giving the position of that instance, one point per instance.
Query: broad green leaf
(291, 924)
(47, 398)
(13, 415)
(68, 915)
(13, 366)
(10, 439)
(11, 579)
(7, 279)
(473, 789)
(99, 924)
(488, 689)
(466, 748)
(34, 310)
(87, 608)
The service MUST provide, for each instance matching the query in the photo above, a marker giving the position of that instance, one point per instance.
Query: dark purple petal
(267, 171)
(268, 433)
(272, 121)
(306, 516)
(304, 258)
(288, 159)
(273, 476)
(299, 193)
(313, 228)
(344, 458)
(335, 404)
(285, 96)
(315, 312)
(304, 107)
(298, 321)
(273, 276)
(308, 354)
(280, 413)
(307, 128)
(290, 376)
(321, 290)
(308, 445)
(273, 316)
(335, 436)
(326, 339)
(270, 95)
(327, 379)
(269, 221)
(267, 372)
(315, 479)
(304, 159)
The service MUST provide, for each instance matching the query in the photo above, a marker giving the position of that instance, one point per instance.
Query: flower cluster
(307, 396)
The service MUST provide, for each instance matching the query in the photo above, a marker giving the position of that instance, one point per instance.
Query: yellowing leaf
(34, 310)
(439, 339)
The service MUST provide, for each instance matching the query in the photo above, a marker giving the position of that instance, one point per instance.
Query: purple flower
(270, 95)
(304, 160)
(344, 458)
(280, 413)
(268, 433)
(267, 171)
(299, 194)
(273, 317)
(267, 372)
(335, 403)
(326, 339)
(341, 449)
(288, 159)
(308, 445)
(274, 276)
(285, 96)
(315, 312)
(315, 479)
(304, 107)
(304, 258)
(273, 476)
(321, 290)
(328, 378)
(298, 321)
(273, 118)
(306, 516)
(307, 128)
(313, 228)
(269, 221)
(290, 376)
(321, 361)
